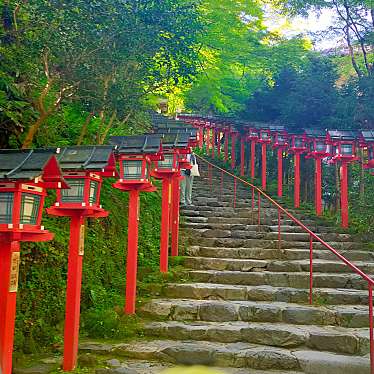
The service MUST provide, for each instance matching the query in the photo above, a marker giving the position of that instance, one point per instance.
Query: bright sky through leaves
(300, 25)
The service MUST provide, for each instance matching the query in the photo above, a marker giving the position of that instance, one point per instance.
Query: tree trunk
(108, 127)
(34, 129)
(84, 128)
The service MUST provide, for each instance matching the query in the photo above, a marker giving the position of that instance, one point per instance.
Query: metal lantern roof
(342, 134)
(29, 164)
(90, 158)
(175, 140)
(139, 144)
(315, 133)
(368, 135)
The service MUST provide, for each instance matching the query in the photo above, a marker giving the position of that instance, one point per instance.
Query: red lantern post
(253, 136)
(25, 176)
(218, 143)
(264, 139)
(135, 154)
(84, 169)
(174, 145)
(242, 155)
(280, 144)
(214, 140)
(297, 147)
(343, 151)
(226, 145)
(318, 150)
(234, 135)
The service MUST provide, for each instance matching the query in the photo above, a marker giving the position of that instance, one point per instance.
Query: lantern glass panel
(253, 134)
(75, 193)
(320, 146)
(264, 136)
(30, 205)
(132, 169)
(6, 207)
(94, 188)
(167, 163)
(371, 153)
(298, 143)
(281, 139)
(346, 149)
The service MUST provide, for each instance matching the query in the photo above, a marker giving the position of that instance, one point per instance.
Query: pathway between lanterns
(245, 306)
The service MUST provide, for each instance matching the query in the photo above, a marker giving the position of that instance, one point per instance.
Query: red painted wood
(132, 251)
(73, 294)
(264, 161)
(297, 180)
(164, 245)
(175, 216)
(280, 172)
(344, 194)
(318, 186)
(7, 305)
(242, 155)
(253, 158)
(233, 151)
(226, 147)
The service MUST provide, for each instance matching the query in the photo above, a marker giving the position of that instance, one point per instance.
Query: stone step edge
(233, 355)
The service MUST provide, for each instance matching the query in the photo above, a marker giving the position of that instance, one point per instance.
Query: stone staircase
(245, 307)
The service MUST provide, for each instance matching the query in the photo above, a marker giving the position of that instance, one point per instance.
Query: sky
(299, 25)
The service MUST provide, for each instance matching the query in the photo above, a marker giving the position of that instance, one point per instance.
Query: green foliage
(104, 56)
(301, 98)
(41, 299)
(238, 54)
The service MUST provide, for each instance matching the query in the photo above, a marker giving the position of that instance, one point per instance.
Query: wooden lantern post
(135, 154)
(253, 136)
(343, 151)
(84, 169)
(280, 143)
(318, 149)
(264, 139)
(24, 178)
(297, 147)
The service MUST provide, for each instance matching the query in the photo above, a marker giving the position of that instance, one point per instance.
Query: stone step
(280, 279)
(331, 339)
(216, 291)
(128, 366)
(246, 225)
(236, 355)
(353, 316)
(268, 243)
(248, 220)
(255, 232)
(275, 253)
(249, 265)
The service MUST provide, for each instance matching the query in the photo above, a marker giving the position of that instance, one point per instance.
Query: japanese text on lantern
(81, 240)
(14, 271)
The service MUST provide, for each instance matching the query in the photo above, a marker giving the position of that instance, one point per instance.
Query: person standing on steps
(187, 182)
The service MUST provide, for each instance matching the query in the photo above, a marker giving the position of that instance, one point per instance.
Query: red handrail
(313, 236)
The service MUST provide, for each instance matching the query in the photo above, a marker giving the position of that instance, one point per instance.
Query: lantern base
(26, 235)
(142, 187)
(164, 174)
(90, 212)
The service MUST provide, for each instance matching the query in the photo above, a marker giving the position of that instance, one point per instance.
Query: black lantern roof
(93, 158)
(315, 133)
(368, 135)
(276, 128)
(175, 140)
(342, 134)
(139, 144)
(29, 164)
